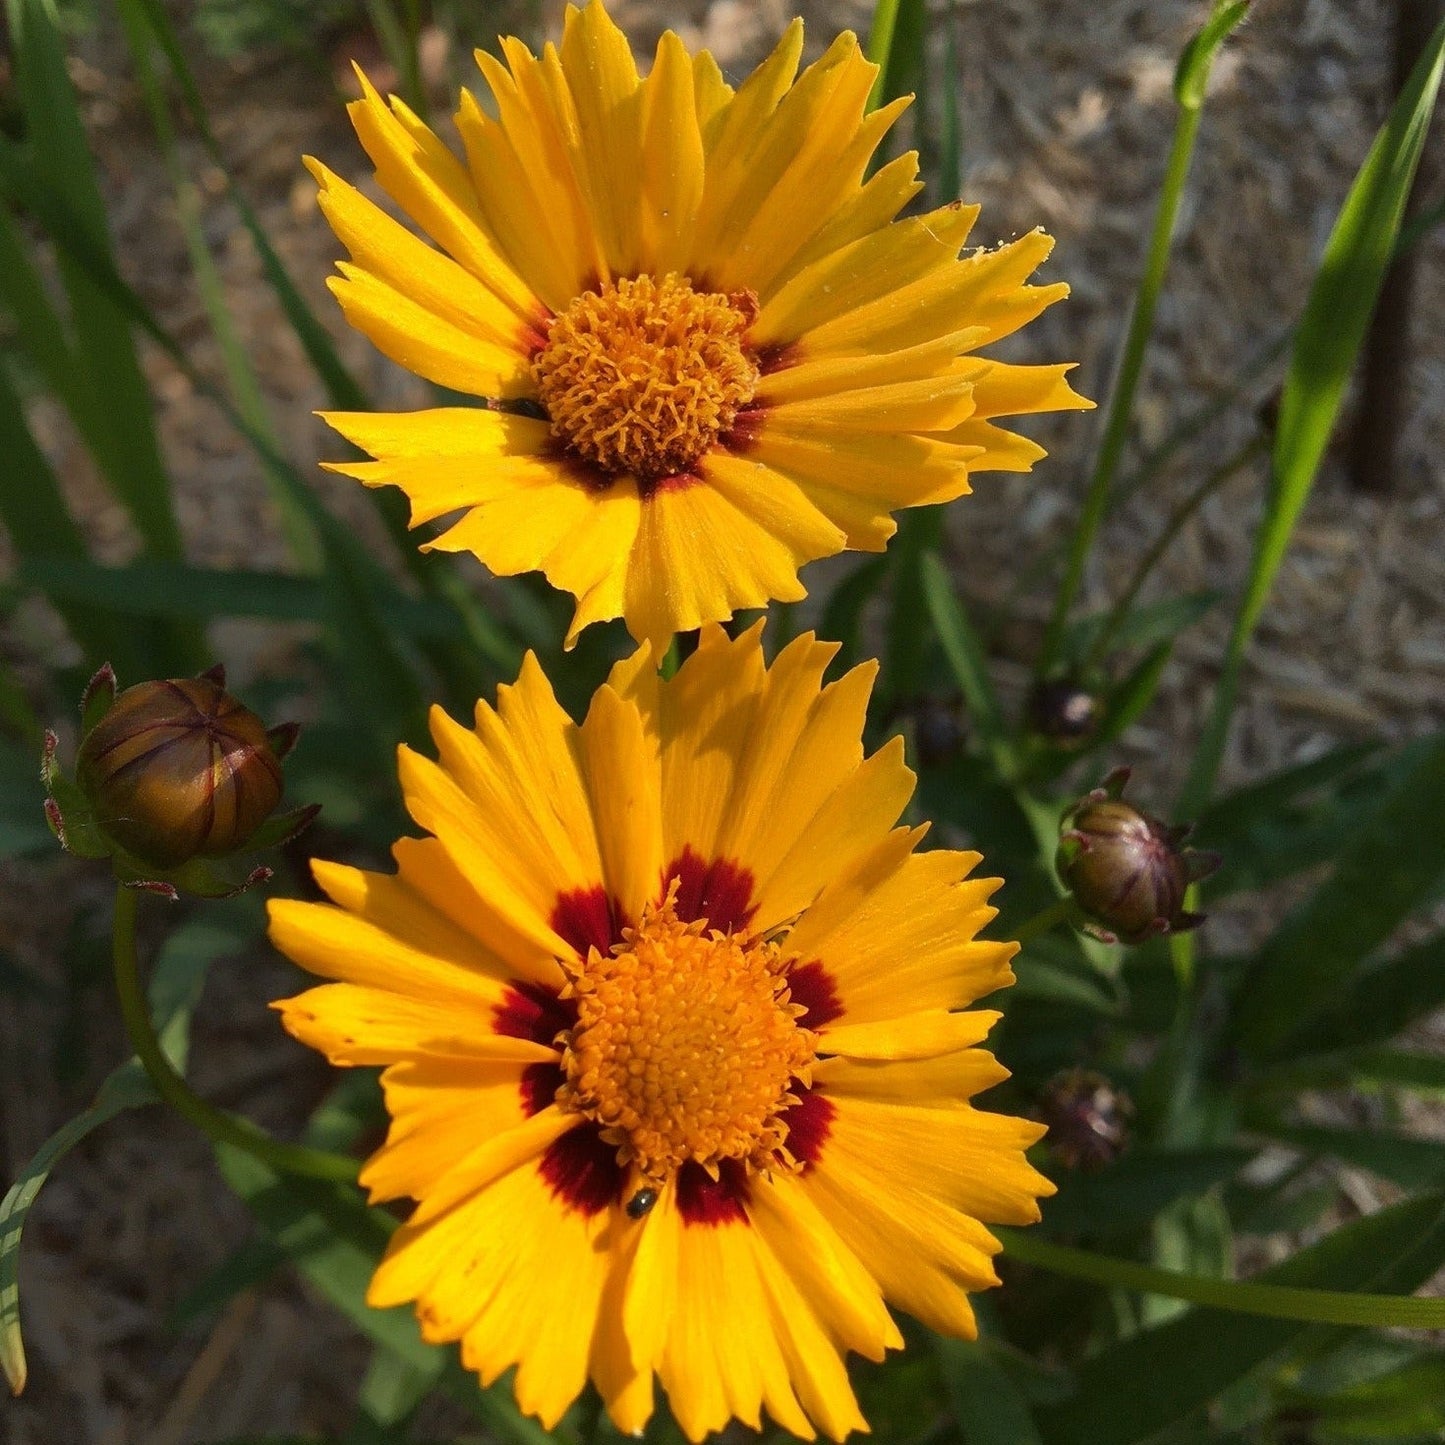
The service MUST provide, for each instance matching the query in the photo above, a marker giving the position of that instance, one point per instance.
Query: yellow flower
(677, 1066)
(711, 352)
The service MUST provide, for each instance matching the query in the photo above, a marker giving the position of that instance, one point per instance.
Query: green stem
(222, 1128)
(880, 46)
(1281, 1302)
(1255, 447)
(1062, 910)
(1131, 366)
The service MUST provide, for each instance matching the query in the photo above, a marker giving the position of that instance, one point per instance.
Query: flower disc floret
(642, 376)
(686, 1046)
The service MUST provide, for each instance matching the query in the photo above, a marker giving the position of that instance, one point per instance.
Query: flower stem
(1255, 447)
(221, 1127)
(1062, 910)
(1126, 383)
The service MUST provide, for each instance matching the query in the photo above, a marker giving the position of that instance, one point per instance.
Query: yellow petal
(425, 343)
(922, 1035)
(827, 1273)
(620, 765)
(336, 944)
(354, 1024)
(434, 1104)
(947, 1080)
(428, 182)
(436, 283)
(672, 160)
(602, 77)
(897, 933)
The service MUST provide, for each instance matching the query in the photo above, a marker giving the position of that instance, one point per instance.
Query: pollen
(642, 376)
(686, 1046)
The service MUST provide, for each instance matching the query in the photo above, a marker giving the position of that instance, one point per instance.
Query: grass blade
(1331, 331)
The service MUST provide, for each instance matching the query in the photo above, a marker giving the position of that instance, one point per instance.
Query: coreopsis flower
(709, 350)
(679, 1055)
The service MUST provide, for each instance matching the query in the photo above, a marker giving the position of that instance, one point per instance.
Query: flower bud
(1126, 869)
(169, 775)
(1063, 713)
(937, 731)
(1088, 1119)
(177, 770)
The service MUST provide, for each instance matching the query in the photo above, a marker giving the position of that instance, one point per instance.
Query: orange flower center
(642, 376)
(685, 1047)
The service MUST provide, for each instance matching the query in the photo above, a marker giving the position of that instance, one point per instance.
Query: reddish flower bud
(170, 775)
(1128, 870)
(1088, 1119)
(178, 770)
(1063, 713)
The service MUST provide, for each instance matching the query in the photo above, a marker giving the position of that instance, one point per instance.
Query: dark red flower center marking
(703, 1200)
(582, 1170)
(540, 1083)
(747, 427)
(812, 986)
(720, 892)
(530, 1011)
(588, 918)
(810, 1122)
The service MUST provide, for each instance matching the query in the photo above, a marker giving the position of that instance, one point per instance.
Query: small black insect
(641, 1203)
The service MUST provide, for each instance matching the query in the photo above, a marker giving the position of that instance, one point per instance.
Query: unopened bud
(1088, 1119)
(177, 770)
(1063, 713)
(1128, 870)
(170, 775)
(937, 731)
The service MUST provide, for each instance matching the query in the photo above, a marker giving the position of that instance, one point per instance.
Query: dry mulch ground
(1066, 113)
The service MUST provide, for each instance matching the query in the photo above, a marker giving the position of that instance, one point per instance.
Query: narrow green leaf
(1192, 74)
(342, 389)
(1405, 1403)
(1379, 1001)
(34, 513)
(880, 46)
(964, 654)
(122, 431)
(842, 619)
(1144, 627)
(1336, 317)
(1131, 1192)
(987, 1406)
(1388, 868)
(1128, 702)
(172, 589)
(175, 987)
(1190, 1360)
(1404, 1159)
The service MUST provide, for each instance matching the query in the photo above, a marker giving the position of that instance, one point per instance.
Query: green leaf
(1132, 1191)
(1128, 701)
(121, 430)
(1192, 74)
(842, 618)
(1190, 1360)
(964, 653)
(1144, 627)
(341, 387)
(1408, 1401)
(175, 987)
(1404, 1159)
(1294, 818)
(987, 1406)
(1379, 1001)
(1389, 867)
(1336, 316)
(335, 1241)
(171, 589)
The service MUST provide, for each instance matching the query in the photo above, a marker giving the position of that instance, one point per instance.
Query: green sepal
(67, 809)
(281, 828)
(97, 698)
